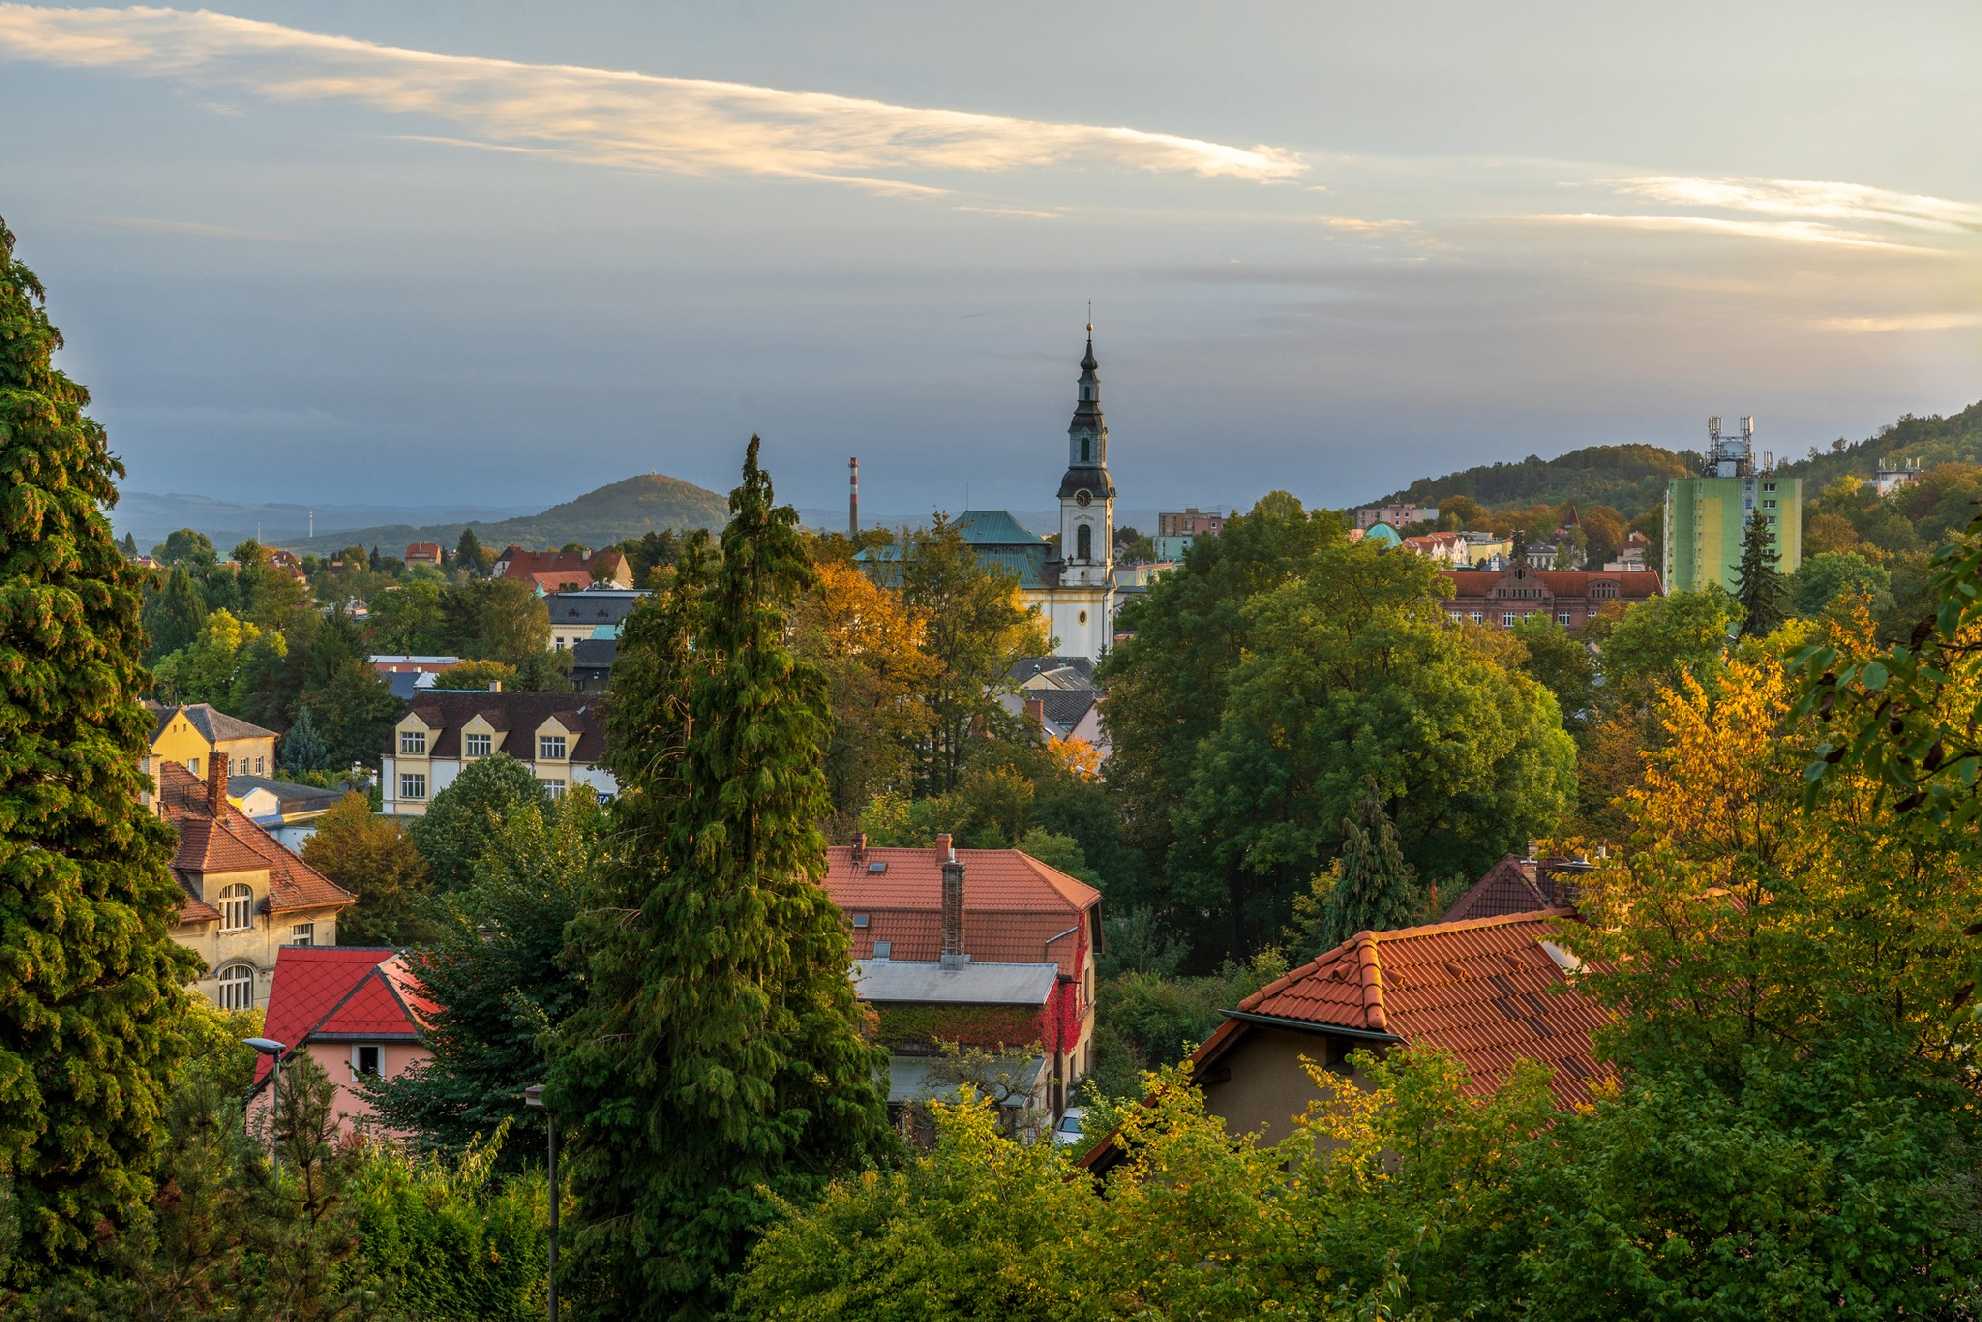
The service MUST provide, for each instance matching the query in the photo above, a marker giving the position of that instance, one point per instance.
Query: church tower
(1087, 492)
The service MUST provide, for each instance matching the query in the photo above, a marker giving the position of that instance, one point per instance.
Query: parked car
(1068, 1132)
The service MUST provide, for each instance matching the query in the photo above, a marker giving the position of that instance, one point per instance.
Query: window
(1562, 618)
(554, 788)
(550, 747)
(193, 765)
(303, 934)
(236, 987)
(1086, 455)
(412, 785)
(1084, 543)
(368, 1060)
(1479, 617)
(1604, 591)
(1507, 619)
(261, 766)
(413, 741)
(478, 745)
(558, 643)
(236, 901)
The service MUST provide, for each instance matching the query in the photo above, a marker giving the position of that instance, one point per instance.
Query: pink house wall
(349, 1106)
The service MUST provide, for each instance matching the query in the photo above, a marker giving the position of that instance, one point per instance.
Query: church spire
(1087, 434)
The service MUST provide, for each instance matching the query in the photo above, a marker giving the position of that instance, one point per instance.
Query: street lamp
(269, 1047)
(534, 1096)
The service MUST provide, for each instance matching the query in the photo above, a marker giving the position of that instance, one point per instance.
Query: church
(1072, 585)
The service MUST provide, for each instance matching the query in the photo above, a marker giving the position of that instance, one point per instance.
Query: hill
(633, 507)
(1629, 478)
(152, 516)
(1933, 440)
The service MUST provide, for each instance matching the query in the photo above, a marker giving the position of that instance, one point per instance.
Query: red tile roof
(1517, 885)
(1486, 990)
(1014, 906)
(233, 843)
(1632, 584)
(336, 992)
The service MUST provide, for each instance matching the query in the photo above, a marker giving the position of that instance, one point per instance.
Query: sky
(479, 254)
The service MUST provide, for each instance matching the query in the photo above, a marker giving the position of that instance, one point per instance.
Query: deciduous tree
(461, 820)
(371, 856)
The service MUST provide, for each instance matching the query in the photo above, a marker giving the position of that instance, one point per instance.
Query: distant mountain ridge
(151, 517)
(632, 507)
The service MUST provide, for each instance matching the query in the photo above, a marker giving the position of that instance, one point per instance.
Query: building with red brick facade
(1570, 597)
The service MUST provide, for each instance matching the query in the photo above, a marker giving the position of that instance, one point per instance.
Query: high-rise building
(1706, 517)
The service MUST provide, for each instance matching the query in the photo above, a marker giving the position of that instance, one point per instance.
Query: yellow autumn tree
(870, 646)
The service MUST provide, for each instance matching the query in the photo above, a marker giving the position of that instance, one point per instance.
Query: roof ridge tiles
(1370, 967)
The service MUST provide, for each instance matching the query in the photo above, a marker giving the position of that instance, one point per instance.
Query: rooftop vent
(878, 866)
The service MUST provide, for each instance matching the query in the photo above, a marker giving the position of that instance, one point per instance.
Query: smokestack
(216, 785)
(853, 498)
(1035, 712)
(859, 850)
(953, 956)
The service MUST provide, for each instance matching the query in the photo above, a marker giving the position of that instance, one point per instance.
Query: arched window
(1084, 542)
(236, 989)
(236, 902)
(1086, 456)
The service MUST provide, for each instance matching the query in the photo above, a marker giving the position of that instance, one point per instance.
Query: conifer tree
(91, 983)
(129, 546)
(1760, 587)
(303, 748)
(720, 1058)
(175, 615)
(468, 552)
(1375, 889)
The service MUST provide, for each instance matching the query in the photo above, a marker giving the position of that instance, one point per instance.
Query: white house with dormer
(561, 737)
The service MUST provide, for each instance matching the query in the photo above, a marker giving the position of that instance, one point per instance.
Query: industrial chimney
(853, 498)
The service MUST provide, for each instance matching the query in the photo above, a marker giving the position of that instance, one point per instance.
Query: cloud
(1360, 224)
(1808, 199)
(186, 228)
(1782, 231)
(609, 117)
(1014, 213)
(1911, 321)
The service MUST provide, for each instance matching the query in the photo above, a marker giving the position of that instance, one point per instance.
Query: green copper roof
(995, 528)
(999, 541)
(1382, 534)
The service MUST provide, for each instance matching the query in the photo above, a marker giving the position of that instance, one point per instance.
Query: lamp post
(269, 1047)
(534, 1096)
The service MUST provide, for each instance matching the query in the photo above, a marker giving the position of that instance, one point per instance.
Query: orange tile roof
(338, 991)
(233, 843)
(1484, 989)
(1013, 905)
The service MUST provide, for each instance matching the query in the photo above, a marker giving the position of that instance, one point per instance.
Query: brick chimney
(1035, 712)
(216, 786)
(953, 955)
(859, 850)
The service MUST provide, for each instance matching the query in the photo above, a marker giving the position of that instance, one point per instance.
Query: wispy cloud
(195, 229)
(1013, 213)
(1360, 224)
(1782, 231)
(1905, 322)
(1808, 199)
(609, 117)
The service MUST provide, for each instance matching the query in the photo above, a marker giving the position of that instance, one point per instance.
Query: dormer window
(477, 745)
(413, 742)
(550, 747)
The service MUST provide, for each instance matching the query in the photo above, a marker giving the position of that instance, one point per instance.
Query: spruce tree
(129, 546)
(175, 615)
(719, 1062)
(1759, 582)
(91, 983)
(1375, 889)
(303, 747)
(468, 552)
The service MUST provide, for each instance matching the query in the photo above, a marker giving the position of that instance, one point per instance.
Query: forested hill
(1629, 478)
(615, 512)
(1956, 438)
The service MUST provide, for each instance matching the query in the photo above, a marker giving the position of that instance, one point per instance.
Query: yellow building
(191, 734)
(243, 896)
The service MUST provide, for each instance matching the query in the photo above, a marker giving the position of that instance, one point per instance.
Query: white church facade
(1071, 585)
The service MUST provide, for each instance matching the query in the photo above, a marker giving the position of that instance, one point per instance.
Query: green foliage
(186, 547)
(1630, 478)
(497, 968)
(1657, 640)
(371, 857)
(461, 820)
(477, 675)
(408, 620)
(174, 615)
(719, 1060)
(924, 1027)
(1839, 576)
(1370, 886)
(1561, 663)
(303, 746)
(493, 619)
(468, 553)
(1146, 1020)
(1758, 581)
(91, 1004)
(355, 711)
(310, 1234)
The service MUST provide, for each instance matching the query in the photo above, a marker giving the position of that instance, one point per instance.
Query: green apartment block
(1706, 518)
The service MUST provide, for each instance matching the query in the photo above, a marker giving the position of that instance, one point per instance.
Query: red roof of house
(233, 843)
(341, 992)
(422, 550)
(1014, 906)
(1518, 885)
(1488, 990)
